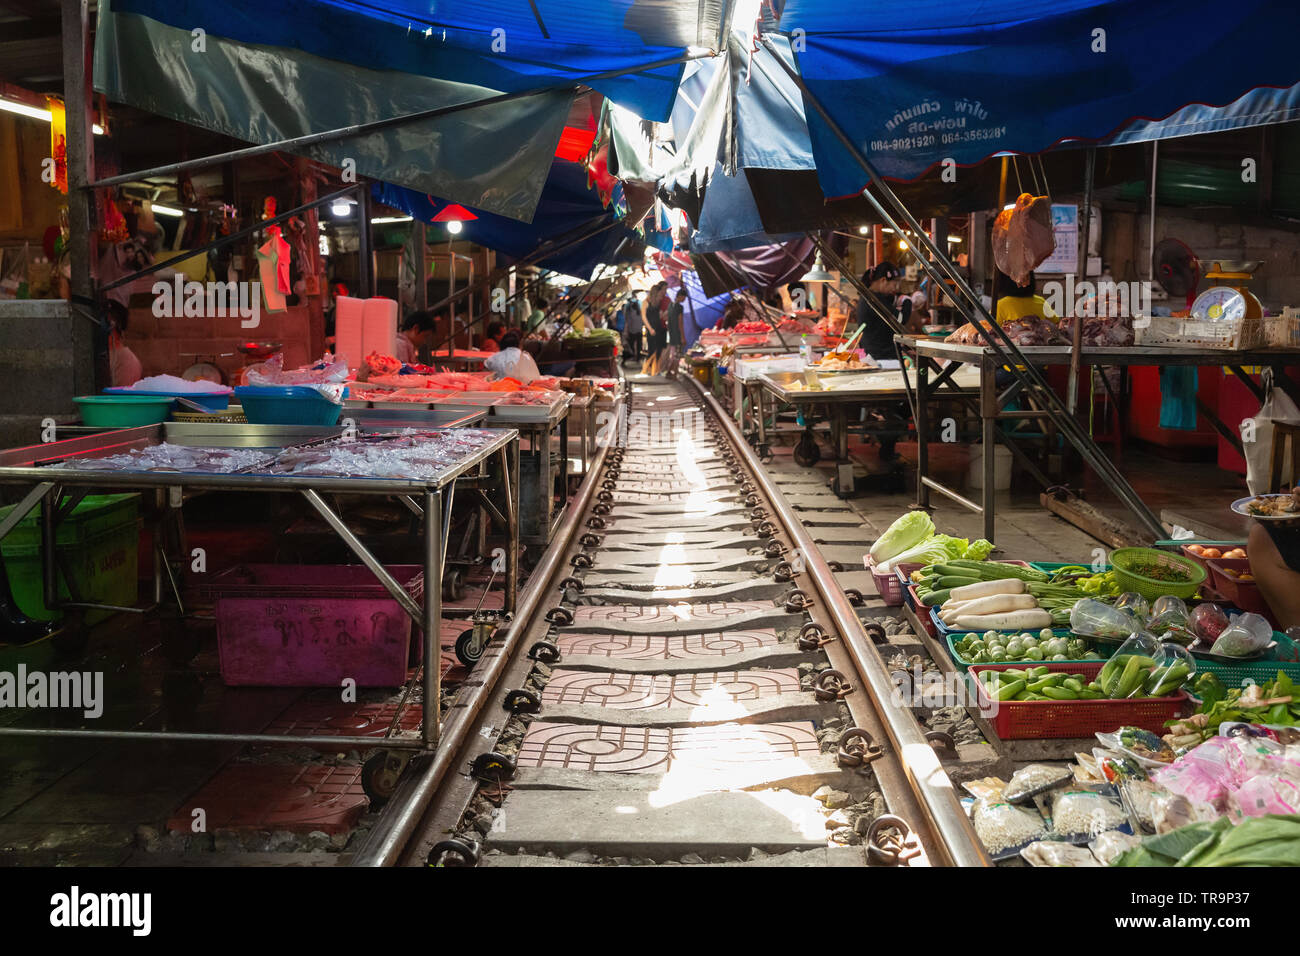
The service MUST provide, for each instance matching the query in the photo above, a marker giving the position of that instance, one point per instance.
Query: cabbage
(906, 532)
(934, 550)
(978, 550)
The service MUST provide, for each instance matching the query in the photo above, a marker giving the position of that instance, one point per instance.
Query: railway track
(686, 682)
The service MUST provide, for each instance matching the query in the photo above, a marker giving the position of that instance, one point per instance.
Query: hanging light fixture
(818, 271)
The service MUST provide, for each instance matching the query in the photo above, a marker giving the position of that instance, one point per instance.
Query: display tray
(242, 435)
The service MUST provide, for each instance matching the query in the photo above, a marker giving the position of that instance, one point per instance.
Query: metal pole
(1076, 336)
(1151, 224)
(80, 144)
(451, 313)
(365, 258)
(297, 142)
(433, 567)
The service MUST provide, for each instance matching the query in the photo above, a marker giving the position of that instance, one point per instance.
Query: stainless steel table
(54, 469)
(947, 361)
(837, 392)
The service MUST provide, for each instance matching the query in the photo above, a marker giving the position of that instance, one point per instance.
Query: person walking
(632, 326)
(655, 331)
(674, 334)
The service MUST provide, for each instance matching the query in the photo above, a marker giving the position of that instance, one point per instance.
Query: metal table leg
(922, 418)
(989, 422)
(434, 562)
(510, 480)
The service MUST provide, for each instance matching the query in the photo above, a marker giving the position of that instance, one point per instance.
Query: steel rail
(935, 792)
(395, 828)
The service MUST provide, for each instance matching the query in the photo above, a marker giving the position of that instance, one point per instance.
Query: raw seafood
(168, 457)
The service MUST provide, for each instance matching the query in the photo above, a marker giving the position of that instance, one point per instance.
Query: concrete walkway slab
(680, 619)
(671, 577)
(638, 824)
(810, 773)
(831, 856)
(757, 588)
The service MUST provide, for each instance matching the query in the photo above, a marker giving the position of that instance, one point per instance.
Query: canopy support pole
(940, 267)
(1076, 336)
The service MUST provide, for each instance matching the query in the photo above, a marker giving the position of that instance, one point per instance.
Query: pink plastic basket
(888, 585)
(312, 625)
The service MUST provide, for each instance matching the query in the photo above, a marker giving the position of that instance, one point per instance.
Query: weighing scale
(1229, 299)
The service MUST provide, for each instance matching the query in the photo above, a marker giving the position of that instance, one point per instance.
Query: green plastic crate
(1051, 567)
(962, 663)
(1261, 672)
(100, 542)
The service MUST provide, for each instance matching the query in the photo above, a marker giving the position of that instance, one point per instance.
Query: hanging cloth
(1178, 397)
(268, 264)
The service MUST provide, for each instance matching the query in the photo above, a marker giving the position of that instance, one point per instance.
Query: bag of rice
(1005, 830)
(1080, 815)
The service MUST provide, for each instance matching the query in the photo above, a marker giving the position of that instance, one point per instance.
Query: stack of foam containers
(362, 326)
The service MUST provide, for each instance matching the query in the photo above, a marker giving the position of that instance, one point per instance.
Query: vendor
(878, 338)
(1274, 550)
(1021, 301)
(416, 333)
(496, 330)
(123, 366)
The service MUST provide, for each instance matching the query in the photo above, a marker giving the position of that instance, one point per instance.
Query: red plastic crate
(1041, 719)
(1244, 594)
(312, 625)
(922, 612)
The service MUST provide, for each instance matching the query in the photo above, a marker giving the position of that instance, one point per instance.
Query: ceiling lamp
(818, 272)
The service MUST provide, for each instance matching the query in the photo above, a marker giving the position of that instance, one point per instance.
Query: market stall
(422, 469)
(940, 363)
(1131, 698)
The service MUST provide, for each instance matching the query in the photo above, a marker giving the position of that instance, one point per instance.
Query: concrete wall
(38, 372)
(1126, 246)
(161, 344)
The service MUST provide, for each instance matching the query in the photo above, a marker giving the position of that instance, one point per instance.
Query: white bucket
(1001, 467)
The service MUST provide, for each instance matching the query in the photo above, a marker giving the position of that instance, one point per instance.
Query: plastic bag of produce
(1174, 667)
(1204, 775)
(1092, 618)
(1005, 830)
(1109, 845)
(1046, 853)
(1263, 794)
(513, 363)
(1171, 620)
(1132, 601)
(1208, 621)
(1081, 815)
(1247, 634)
(1148, 749)
(1036, 778)
(1125, 674)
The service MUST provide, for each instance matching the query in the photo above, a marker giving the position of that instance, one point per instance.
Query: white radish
(981, 589)
(1024, 620)
(996, 604)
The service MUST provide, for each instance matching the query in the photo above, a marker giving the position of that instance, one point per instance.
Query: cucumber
(935, 598)
(950, 581)
(1060, 693)
(1073, 684)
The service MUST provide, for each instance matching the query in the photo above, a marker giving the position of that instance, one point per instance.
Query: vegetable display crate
(1051, 567)
(1244, 594)
(312, 625)
(922, 614)
(963, 665)
(888, 584)
(99, 542)
(1285, 658)
(909, 592)
(1126, 559)
(1040, 719)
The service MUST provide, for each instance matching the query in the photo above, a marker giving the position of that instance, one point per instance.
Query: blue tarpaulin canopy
(504, 45)
(914, 84)
(566, 210)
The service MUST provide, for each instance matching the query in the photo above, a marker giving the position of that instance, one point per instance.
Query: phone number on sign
(970, 135)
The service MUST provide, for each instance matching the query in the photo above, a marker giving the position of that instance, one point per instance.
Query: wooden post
(89, 343)
(421, 265)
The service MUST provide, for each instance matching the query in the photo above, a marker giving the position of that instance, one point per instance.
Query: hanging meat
(1022, 236)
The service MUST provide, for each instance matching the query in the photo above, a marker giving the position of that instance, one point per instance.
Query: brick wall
(162, 343)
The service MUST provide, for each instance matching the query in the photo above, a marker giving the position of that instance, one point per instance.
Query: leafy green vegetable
(931, 551)
(906, 532)
(978, 550)
(1210, 689)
